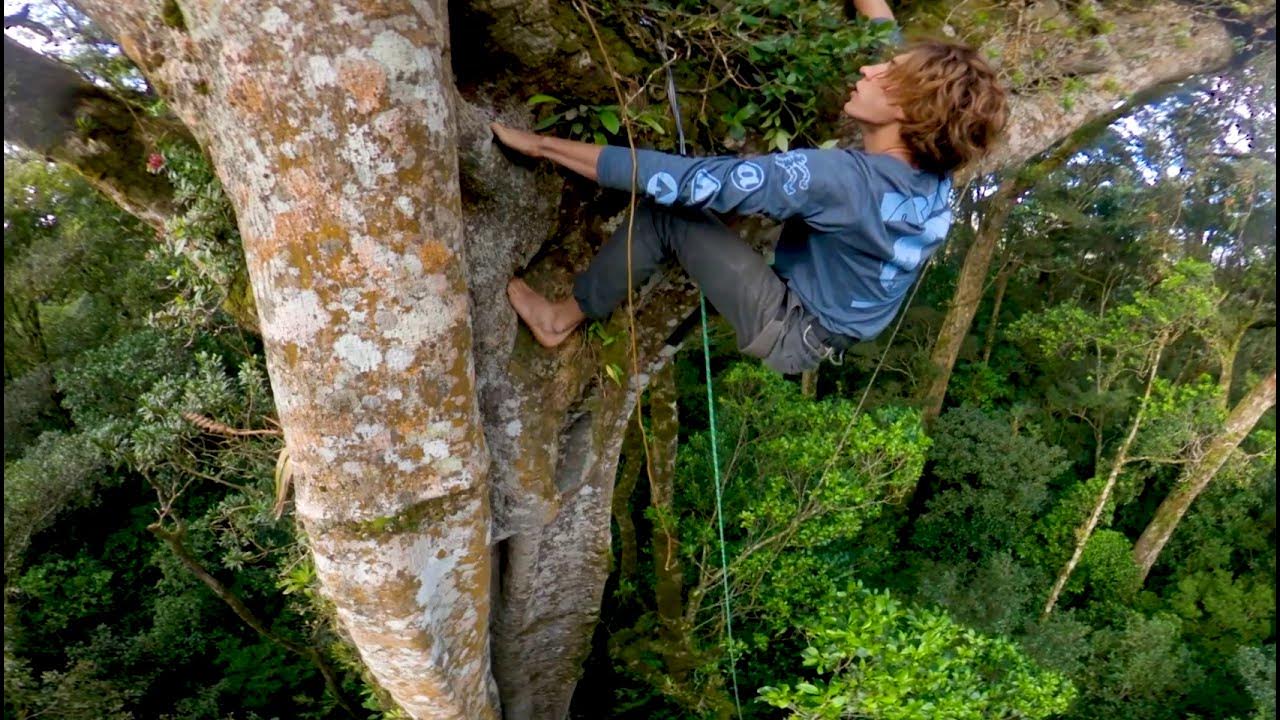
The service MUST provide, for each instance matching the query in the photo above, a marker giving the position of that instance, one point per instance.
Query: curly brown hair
(955, 106)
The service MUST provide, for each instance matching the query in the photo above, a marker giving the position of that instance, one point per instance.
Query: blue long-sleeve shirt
(862, 224)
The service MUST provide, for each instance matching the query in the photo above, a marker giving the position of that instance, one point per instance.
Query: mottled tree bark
(334, 135)
(51, 110)
(1198, 474)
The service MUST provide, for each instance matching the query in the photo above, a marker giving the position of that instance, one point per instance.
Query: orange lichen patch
(407, 425)
(365, 81)
(308, 226)
(247, 93)
(421, 35)
(291, 228)
(291, 354)
(434, 256)
(380, 9)
(303, 185)
(301, 259)
(347, 270)
(393, 125)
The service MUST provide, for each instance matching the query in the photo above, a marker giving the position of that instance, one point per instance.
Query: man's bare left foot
(550, 322)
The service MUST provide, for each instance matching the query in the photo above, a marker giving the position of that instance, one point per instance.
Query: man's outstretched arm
(874, 9)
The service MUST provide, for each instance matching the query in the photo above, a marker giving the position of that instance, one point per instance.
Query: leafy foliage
(778, 67)
(882, 659)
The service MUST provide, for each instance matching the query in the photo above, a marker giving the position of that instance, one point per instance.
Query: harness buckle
(824, 351)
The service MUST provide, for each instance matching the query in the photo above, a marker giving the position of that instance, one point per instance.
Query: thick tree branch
(1196, 477)
(51, 110)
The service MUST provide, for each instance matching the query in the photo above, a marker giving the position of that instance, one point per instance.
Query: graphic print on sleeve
(747, 176)
(662, 188)
(797, 169)
(703, 187)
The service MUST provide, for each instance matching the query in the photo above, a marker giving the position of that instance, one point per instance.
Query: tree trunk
(1197, 475)
(51, 110)
(632, 463)
(1002, 284)
(977, 261)
(1084, 532)
(334, 134)
(968, 293)
(668, 572)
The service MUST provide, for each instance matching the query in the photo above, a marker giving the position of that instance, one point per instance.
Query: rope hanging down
(711, 417)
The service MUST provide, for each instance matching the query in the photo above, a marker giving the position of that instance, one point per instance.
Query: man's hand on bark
(522, 141)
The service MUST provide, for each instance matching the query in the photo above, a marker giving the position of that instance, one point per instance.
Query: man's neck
(886, 140)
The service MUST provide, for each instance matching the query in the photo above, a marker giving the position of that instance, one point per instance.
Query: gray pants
(768, 318)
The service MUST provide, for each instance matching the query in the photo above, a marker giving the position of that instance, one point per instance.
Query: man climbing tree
(860, 224)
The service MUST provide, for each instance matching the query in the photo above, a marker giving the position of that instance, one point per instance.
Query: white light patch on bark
(321, 71)
(361, 355)
(367, 431)
(412, 265)
(397, 54)
(274, 20)
(435, 449)
(399, 359)
(324, 128)
(404, 62)
(426, 321)
(367, 157)
(298, 317)
(405, 205)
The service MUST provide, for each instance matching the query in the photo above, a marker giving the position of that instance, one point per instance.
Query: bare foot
(550, 322)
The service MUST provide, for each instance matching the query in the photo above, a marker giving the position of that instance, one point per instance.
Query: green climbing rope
(715, 470)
